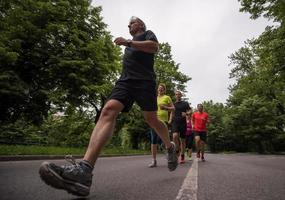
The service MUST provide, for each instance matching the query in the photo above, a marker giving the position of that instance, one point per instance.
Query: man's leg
(182, 160)
(190, 154)
(189, 144)
(202, 144)
(153, 152)
(197, 141)
(154, 139)
(77, 177)
(176, 140)
(162, 131)
(203, 139)
(103, 130)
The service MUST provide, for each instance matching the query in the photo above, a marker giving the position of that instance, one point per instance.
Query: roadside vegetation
(59, 64)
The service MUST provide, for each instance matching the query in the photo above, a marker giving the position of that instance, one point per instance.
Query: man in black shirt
(179, 125)
(137, 83)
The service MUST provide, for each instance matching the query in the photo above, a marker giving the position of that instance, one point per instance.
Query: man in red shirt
(200, 120)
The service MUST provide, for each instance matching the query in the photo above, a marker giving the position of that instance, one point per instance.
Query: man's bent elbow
(156, 48)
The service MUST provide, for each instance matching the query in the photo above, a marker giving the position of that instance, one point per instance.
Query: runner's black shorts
(202, 134)
(143, 92)
(179, 127)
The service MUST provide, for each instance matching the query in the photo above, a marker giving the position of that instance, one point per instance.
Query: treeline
(254, 117)
(58, 64)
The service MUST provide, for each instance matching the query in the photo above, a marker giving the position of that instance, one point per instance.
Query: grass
(48, 150)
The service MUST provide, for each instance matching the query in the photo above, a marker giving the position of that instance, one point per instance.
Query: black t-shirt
(138, 65)
(180, 106)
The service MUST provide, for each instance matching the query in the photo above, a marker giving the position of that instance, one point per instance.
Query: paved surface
(242, 177)
(221, 177)
(116, 178)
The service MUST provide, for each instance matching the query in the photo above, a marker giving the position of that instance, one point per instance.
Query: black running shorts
(142, 92)
(202, 134)
(179, 127)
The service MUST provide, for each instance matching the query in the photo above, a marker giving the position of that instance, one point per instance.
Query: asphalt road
(242, 177)
(221, 177)
(115, 178)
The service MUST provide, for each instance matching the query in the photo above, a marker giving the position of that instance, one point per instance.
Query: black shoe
(75, 178)
(172, 160)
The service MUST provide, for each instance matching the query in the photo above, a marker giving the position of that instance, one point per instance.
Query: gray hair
(140, 21)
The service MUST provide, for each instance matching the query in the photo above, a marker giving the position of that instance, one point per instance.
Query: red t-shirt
(200, 121)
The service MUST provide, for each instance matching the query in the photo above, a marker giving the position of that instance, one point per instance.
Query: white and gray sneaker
(152, 164)
(171, 156)
(75, 178)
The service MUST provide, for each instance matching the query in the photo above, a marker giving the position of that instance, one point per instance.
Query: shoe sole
(172, 167)
(173, 164)
(51, 178)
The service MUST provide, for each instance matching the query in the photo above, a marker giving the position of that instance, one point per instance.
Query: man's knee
(109, 112)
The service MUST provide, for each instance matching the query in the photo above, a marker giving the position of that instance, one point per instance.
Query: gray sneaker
(171, 156)
(75, 178)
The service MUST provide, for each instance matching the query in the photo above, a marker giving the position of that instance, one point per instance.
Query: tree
(256, 103)
(216, 137)
(167, 70)
(272, 9)
(53, 53)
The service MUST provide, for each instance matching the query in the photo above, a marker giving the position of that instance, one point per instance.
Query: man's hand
(169, 121)
(163, 107)
(121, 41)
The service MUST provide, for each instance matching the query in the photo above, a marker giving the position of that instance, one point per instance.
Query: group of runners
(137, 83)
(184, 126)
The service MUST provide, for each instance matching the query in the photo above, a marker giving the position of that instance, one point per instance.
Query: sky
(202, 35)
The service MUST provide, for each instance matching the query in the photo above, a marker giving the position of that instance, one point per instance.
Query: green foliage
(167, 71)
(21, 132)
(254, 116)
(52, 53)
(134, 132)
(56, 56)
(216, 136)
(72, 129)
(52, 150)
(272, 9)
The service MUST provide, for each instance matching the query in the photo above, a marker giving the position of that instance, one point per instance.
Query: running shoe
(198, 154)
(172, 160)
(75, 178)
(152, 164)
(182, 159)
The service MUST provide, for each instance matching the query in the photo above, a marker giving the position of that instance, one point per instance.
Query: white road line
(189, 188)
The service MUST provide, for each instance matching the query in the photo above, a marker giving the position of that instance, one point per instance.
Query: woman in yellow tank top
(165, 106)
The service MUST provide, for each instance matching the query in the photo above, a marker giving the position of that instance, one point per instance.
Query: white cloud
(202, 35)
